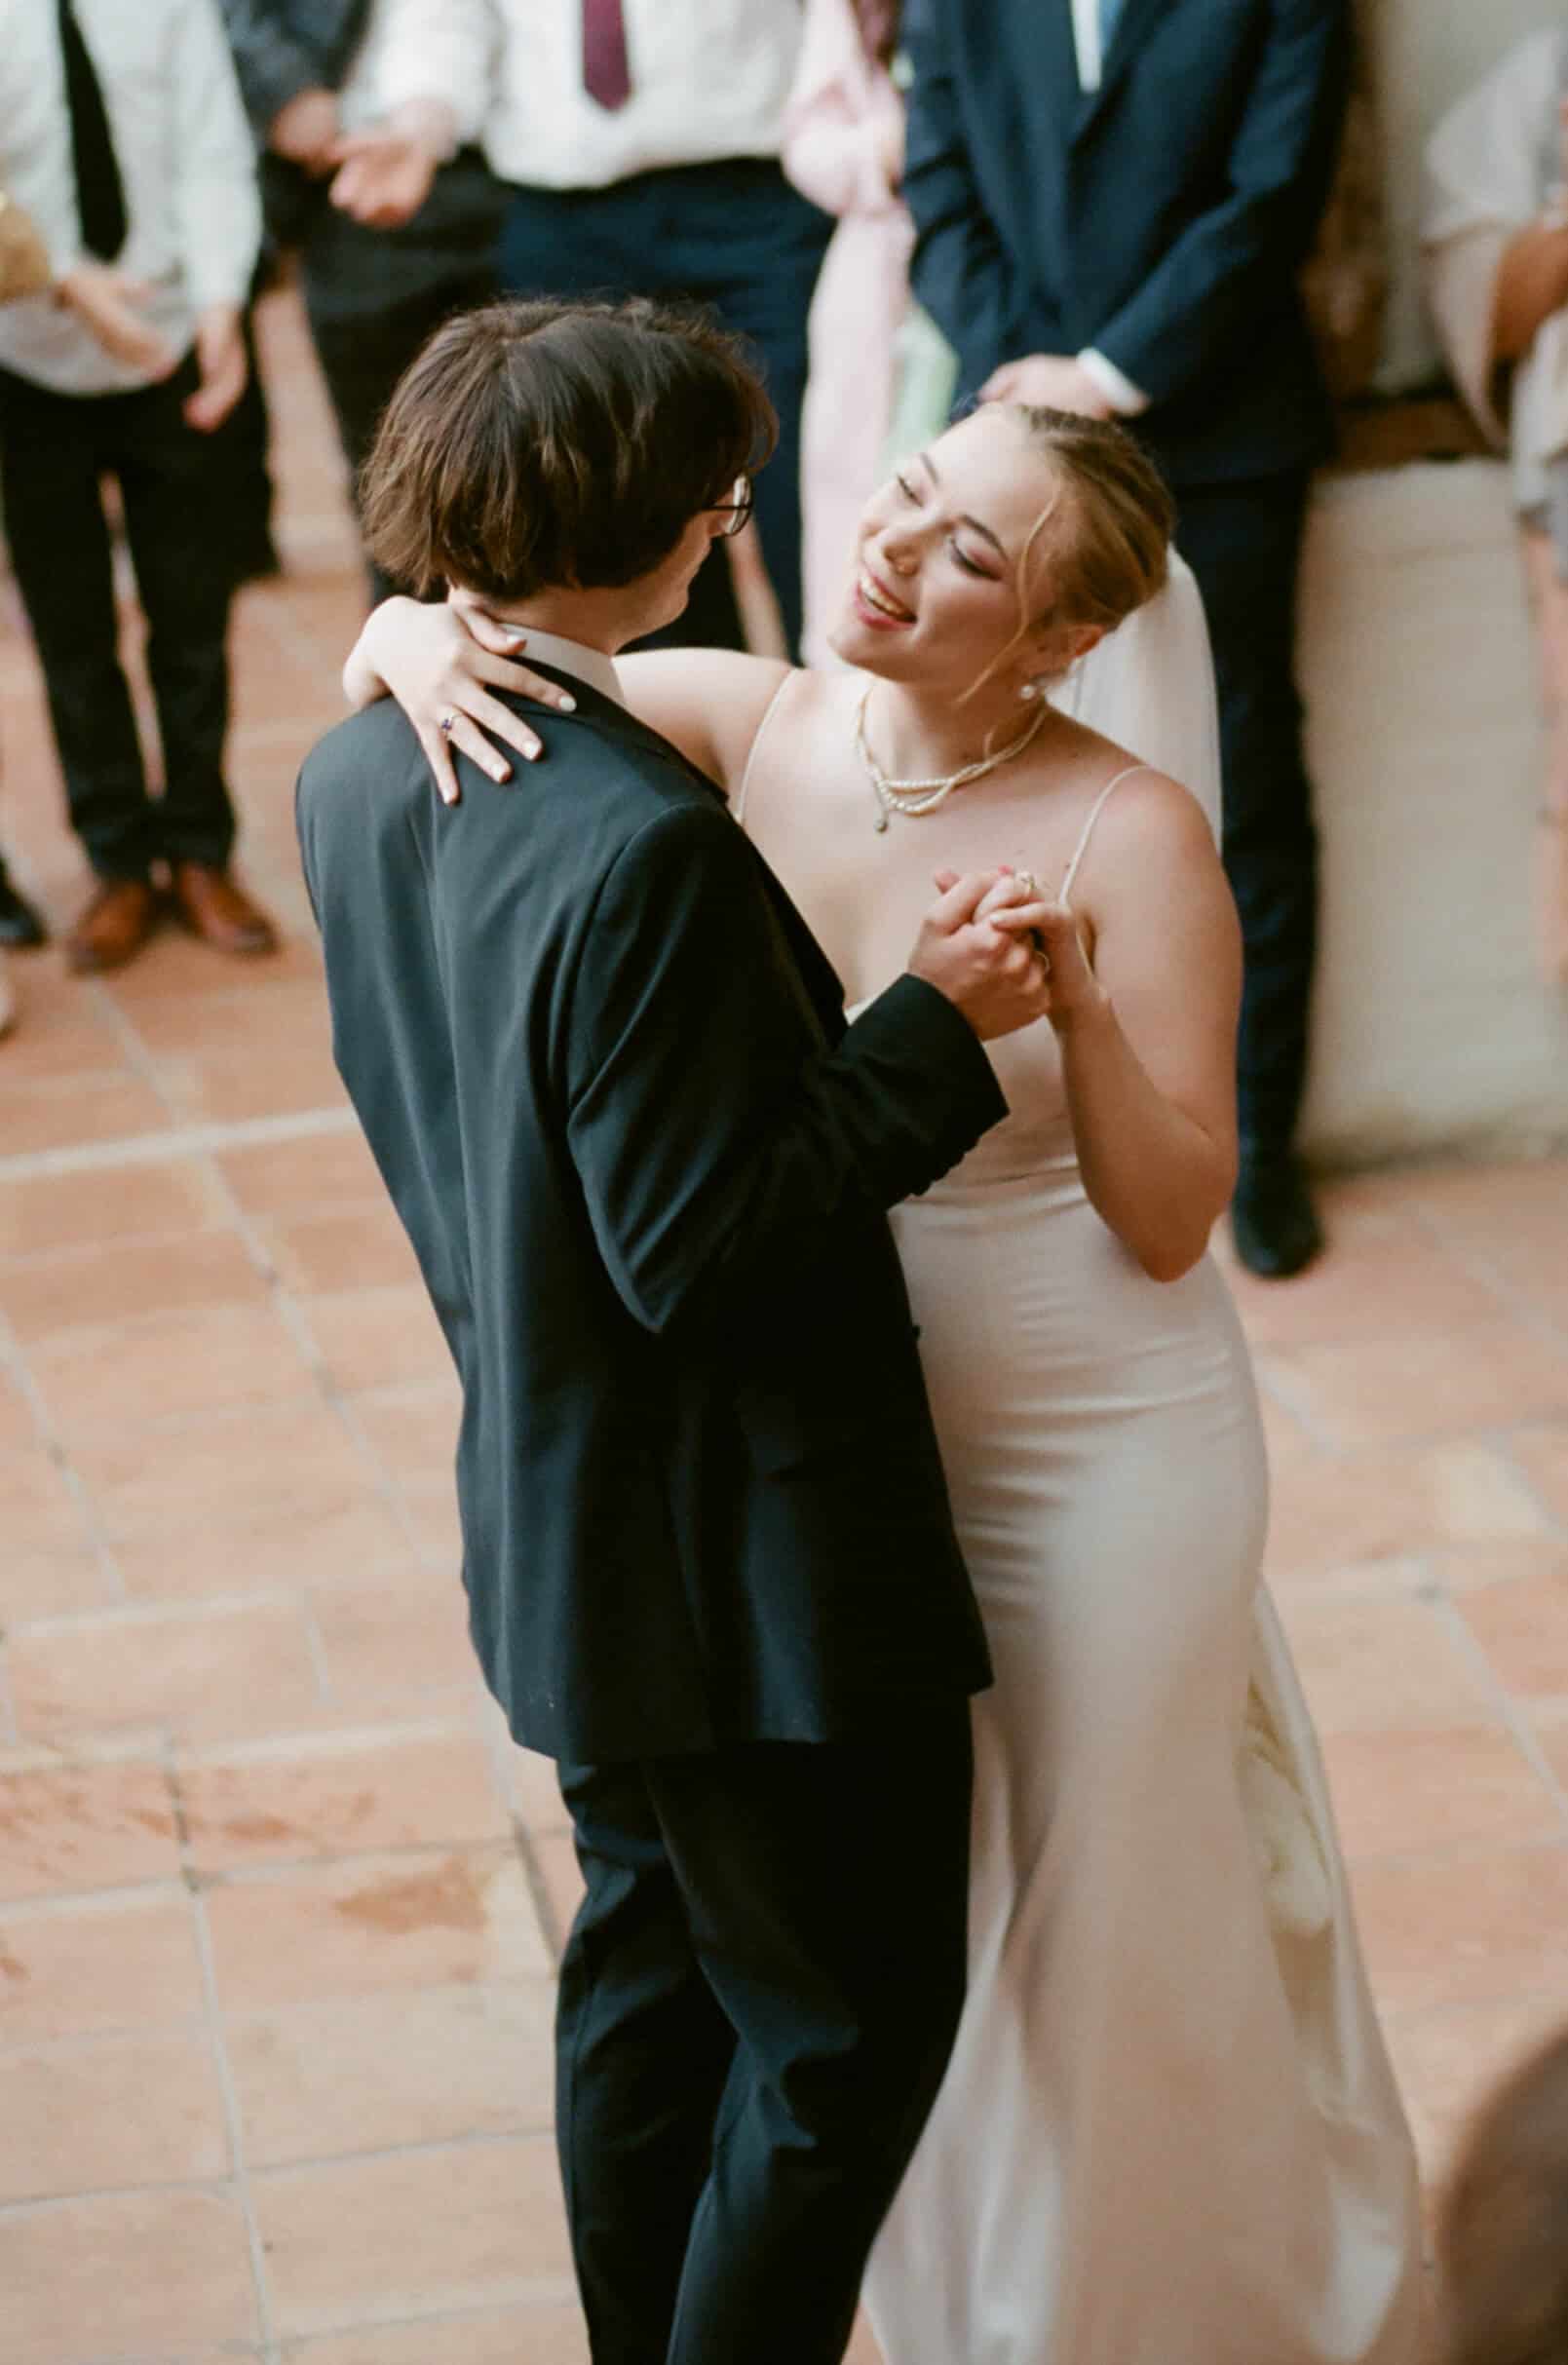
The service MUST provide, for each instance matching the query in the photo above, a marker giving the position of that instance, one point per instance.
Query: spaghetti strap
(1087, 830)
(738, 806)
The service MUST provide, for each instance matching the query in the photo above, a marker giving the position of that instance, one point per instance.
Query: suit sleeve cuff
(1127, 400)
(927, 1053)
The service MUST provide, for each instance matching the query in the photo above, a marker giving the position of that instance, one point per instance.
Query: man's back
(695, 1456)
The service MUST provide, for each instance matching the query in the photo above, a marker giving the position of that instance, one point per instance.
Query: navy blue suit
(1163, 219)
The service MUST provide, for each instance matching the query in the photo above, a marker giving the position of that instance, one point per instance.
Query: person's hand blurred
(890, 150)
(307, 130)
(220, 361)
(383, 176)
(108, 303)
(1055, 381)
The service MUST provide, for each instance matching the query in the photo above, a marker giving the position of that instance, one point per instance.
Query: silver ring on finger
(448, 724)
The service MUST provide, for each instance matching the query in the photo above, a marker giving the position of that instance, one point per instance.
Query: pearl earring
(1030, 689)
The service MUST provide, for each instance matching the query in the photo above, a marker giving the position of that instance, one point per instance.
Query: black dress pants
(757, 2005)
(54, 449)
(734, 234)
(373, 297)
(1243, 544)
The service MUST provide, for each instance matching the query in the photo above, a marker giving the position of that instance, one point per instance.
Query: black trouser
(736, 236)
(372, 299)
(1243, 544)
(54, 448)
(756, 2008)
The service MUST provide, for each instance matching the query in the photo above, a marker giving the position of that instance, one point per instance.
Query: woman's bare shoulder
(709, 702)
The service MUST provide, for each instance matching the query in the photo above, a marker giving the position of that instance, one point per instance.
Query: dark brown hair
(1503, 2233)
(542, 444)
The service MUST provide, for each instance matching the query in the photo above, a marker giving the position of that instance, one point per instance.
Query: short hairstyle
(543, 445)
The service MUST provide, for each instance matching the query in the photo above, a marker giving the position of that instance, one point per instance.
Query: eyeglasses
(737, 511)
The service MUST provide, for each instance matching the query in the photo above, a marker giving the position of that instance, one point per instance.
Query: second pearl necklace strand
(916, 798)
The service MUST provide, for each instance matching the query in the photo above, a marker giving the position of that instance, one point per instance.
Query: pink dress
(840, 129)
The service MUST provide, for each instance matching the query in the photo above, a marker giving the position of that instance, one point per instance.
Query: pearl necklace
(916, 798)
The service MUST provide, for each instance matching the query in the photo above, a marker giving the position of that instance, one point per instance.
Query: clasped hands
(380, 177)
(110, 305)
(1005, 954)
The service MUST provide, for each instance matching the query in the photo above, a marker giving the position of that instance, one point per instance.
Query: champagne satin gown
(1169, 2134)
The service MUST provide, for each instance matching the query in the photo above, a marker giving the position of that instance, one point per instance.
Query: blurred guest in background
(1503, 2230)
(843, 148)
(365, 121)
(1113, 200)
(641, 140)
(1497, 252)
(122, 133)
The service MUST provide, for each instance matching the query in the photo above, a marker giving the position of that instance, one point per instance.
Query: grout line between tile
(180, 1141)
(223, 2068)
(13, 1360)
(1519, 1726)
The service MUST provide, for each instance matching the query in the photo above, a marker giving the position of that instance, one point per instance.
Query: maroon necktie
(606, 74)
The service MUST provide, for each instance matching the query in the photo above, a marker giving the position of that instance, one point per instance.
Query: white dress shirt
(186, 161)
(412, 51)
(1114, 384)
(571, 657)
(709, 79)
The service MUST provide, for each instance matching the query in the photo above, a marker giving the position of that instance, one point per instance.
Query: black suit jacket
(604, 1069)
(1163, 218)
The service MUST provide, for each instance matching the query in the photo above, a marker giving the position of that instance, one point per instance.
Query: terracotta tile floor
(277, 1904)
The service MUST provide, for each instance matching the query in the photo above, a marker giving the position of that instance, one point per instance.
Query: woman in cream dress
(1168, 2135)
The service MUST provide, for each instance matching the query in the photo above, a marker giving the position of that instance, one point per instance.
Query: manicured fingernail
(566, 703)
(500, 771)
(534, 752)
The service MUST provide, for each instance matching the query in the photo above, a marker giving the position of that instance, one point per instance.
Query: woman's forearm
(362, 684)
(1532, 284)
(1152, 1173)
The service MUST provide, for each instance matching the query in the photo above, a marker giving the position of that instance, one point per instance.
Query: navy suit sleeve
(1197, 303)
(721, 1143)
(960, 272)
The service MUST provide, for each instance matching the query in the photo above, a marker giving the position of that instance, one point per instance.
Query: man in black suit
(710, 1562)
(1113, 200)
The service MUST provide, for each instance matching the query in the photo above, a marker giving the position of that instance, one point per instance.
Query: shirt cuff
(1125, 398)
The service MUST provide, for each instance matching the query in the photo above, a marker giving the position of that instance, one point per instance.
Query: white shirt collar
(570, 657)
(1087, 43)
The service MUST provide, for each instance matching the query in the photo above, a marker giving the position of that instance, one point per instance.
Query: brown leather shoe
(220, 912)
(115, 925)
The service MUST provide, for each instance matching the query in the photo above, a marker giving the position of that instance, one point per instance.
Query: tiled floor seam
(1519, 1728)
(14, 1362)
(296, 1323)
(181, 1141)
(223, 2068)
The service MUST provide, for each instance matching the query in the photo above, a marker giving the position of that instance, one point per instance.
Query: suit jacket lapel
(1132, 28)
(804, 957)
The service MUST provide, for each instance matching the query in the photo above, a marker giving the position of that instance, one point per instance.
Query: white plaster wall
(1431, 1030)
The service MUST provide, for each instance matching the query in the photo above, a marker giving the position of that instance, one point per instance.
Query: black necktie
(99, 190)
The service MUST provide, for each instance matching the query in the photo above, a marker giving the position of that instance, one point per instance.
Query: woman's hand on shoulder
(441, 664)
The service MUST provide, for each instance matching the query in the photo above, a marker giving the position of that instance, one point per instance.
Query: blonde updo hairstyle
(1115, 517)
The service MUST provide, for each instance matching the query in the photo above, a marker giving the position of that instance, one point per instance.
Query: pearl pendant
(881, 821)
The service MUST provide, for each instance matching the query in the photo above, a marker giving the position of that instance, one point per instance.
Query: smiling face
(934, 595)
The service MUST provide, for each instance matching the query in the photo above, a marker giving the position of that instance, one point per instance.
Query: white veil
(1150, 687)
